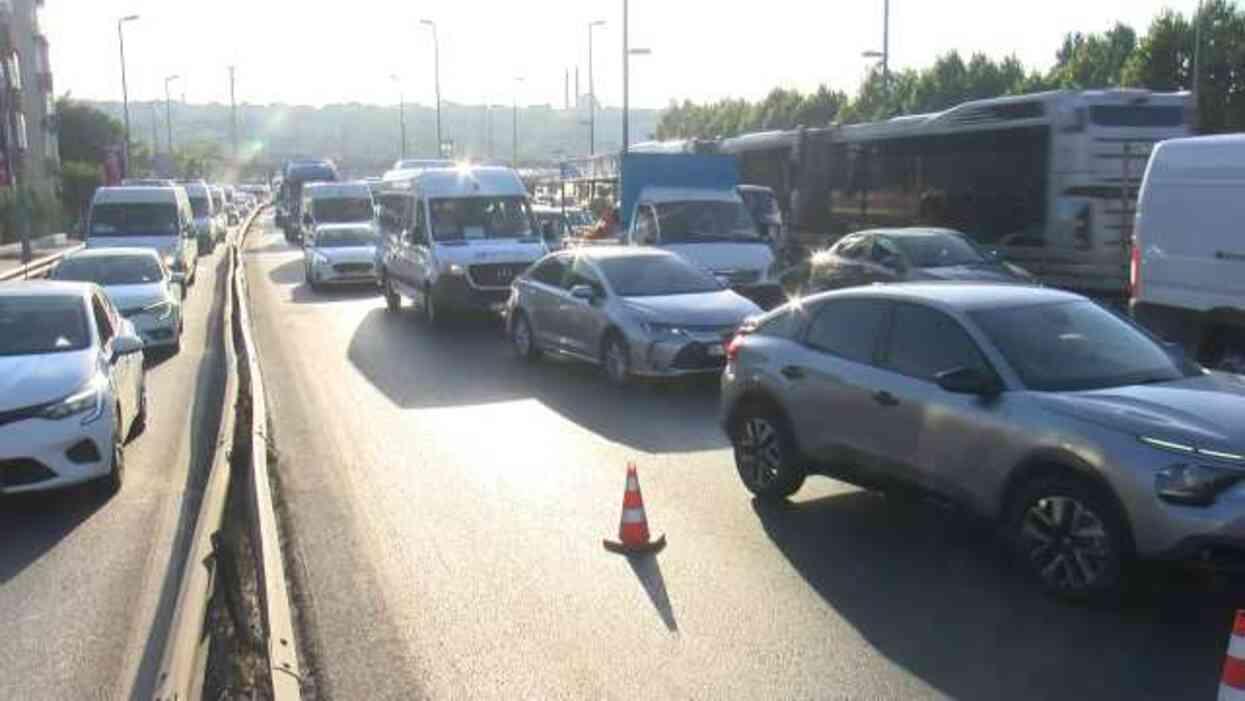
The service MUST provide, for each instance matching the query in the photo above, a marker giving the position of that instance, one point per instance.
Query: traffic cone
(1232, 683)
(633, 536)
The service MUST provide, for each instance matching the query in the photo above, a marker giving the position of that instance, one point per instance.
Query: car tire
(428, 310)
(110, 484)
(140, 419)
(765, 452)
(522, 339)
(1069, 538)
(311, 280)
(393, 302)
(616, 360)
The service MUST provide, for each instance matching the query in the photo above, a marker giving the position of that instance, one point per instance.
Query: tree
(84, 132)
(1093, 60)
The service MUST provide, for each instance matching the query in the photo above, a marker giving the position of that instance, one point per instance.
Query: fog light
(1194, 485)
(82, 452)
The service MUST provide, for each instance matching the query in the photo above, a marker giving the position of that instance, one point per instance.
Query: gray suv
(1087, 440)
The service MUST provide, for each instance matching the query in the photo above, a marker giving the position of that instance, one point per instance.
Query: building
(27, 102)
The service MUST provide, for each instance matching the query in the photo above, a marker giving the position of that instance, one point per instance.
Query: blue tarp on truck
(675, 170)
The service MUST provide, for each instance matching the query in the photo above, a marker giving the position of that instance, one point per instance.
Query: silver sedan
(636, 312)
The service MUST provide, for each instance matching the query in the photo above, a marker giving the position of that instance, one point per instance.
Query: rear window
(110, 270)
(341, 210)
(1137, 115)
(134, 219)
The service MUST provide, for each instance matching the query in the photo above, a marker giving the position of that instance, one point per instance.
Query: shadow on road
(470, 363)
(648, 570)
(931, 591)
(33, 524)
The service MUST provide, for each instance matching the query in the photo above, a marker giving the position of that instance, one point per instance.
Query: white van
(1188, 260)
(146, 217)
(454, 239)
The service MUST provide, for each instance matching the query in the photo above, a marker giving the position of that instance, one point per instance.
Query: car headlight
(87, 401)
(160, 310)
(1194, 485)
(661, 330)
(455, 269)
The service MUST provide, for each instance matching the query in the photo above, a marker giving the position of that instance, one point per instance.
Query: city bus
(1048, 179)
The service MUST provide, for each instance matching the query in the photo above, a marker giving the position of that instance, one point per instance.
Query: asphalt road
(446, 506)
(87, 583)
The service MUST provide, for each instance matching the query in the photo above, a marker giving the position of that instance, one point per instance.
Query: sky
(319, 52)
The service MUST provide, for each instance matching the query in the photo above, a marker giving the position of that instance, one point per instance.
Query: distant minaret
(566, 89)
(576, 87)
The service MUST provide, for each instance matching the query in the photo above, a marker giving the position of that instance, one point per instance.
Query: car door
(829, 382)
(580, 321)
(543, 295)
(936, 438)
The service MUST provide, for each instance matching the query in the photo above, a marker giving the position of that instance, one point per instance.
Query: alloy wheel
(616, 366)
(759, 452)
(522, 336)
(1066, 543)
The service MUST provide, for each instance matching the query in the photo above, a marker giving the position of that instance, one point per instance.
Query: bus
(1049, 180)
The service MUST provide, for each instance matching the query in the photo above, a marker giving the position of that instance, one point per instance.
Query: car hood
(721, 308)
(161, 243)
(348, 254)
(718, 257)
(127, 297)
(1206, 410)
(29, 380)
(974, 273)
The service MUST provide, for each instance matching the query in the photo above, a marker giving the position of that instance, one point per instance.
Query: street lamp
(168, 111)
(885, 54)
(401, 111)
(514, 138)
(627, 91)
(125, 90)
(436, 69)
(592, 93)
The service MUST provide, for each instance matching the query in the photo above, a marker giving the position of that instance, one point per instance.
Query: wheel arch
(757, 395)
(1060, 463)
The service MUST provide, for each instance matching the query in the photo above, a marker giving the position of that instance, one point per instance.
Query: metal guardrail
(184, 662)
(38, 267)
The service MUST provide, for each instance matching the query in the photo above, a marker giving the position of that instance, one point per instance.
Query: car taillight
(1134, 270)
(733, 346)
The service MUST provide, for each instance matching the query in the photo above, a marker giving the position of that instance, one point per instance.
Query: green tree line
(1160, 60)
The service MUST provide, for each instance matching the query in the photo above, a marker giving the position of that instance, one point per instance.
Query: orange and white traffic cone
(633, 535)
(1232, 683)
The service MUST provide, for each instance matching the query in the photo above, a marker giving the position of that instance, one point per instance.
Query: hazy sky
(317, 51)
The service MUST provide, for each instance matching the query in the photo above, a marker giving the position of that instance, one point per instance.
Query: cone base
(650, 547)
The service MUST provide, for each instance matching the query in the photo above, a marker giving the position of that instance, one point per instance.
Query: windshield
(1137, 115)
(1071, 346)
(339, 238)
(110, 270)
(341, 210)
(696, 222)
(648, 276)
(199, 207)
(471, 218)
(134, 219)
(42, 324)
(937, 250)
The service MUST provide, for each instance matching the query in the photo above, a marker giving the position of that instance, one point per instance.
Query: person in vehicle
(608, 227)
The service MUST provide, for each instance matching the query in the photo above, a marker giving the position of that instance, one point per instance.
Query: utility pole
(436, 67)
(514, 138)
(168, 111)
(886, 44)
(566, 89)
(1197, 62)
(233, 112)
(125, 90)
(576, 87)
(401, 112)
(626, 107)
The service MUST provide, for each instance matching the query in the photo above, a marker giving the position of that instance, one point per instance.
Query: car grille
(495, 274)
(352, 268)
(23, 471)
(695, 356)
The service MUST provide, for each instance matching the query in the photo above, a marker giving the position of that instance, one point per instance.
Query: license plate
(716, 351)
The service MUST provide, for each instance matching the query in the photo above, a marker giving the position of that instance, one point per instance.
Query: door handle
(793, 372)
(885, 398)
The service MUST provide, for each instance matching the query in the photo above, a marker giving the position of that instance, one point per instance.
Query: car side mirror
(968, 381)
(125, 344)
(583, 292)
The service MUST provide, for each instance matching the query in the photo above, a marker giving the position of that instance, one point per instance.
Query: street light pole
(1197, 57)
(168, 111)
(125, 90)
(436, 69)
(514, 138)
(592, 93)
(626, 106)
(401, 111)
(233, 114)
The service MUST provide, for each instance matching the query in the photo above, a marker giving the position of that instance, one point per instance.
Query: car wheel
(1069, 538)
(765, 453)
(522, 339)
(392, 301)
(110, 484)
(140, 419)
(311, 279)
(616, 360)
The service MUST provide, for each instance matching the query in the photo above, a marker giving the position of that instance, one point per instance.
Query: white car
(340, 253)
(72, 387)
(139, 286)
